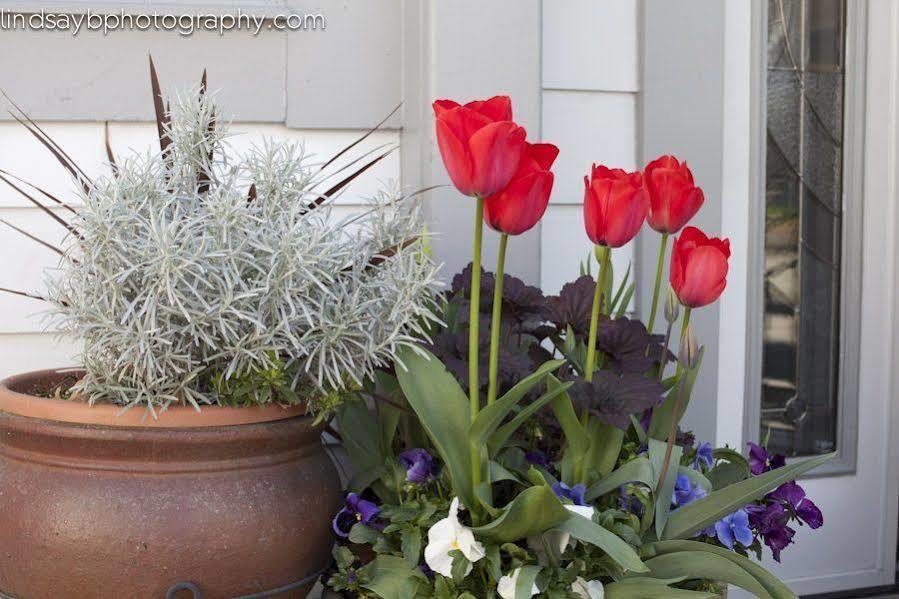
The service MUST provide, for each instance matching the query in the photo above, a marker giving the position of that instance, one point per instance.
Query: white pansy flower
(447, 535)
(588, 590)
(555, 538)
(506, 585)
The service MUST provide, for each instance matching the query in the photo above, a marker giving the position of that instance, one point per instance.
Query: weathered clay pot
(132, 507)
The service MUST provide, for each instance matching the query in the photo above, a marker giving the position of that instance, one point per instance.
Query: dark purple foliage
(613, 398)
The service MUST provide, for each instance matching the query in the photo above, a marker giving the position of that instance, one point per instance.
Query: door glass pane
(803, 224)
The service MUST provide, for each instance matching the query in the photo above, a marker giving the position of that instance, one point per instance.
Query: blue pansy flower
(685, 492)
(734, 527)
(704, 456)
(574, 494)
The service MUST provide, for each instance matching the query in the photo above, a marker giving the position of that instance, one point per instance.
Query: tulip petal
(497, 108)
(496, 150)
(627, 209)
(521, 205)
(704, 277)
(543, 154)
(456, 158)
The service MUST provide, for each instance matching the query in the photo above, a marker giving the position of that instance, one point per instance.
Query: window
(804, 189)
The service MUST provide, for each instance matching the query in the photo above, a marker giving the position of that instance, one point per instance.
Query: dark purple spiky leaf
(109, 155)
(46, 210)
(159, 108)
(359, 140)
(46, 194)
(322, 198)
(32, 237)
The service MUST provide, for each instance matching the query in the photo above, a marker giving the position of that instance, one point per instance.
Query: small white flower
(556, 538)
(447, 535)
(506, 585)
(588, 590)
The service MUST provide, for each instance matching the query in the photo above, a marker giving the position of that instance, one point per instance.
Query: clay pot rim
(77, 412)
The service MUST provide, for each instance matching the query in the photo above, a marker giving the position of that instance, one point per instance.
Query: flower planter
(92, 504)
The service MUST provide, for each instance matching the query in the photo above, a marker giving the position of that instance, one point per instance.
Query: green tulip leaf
(442, 408)
(705, 566)
(501, 436)
(638, 470)
(650, 588)
(527, 576)
(588, 531)
(664, 488)
(489, 418)
(533, 511)
(663, 415)
(770, 583)
(363, 442)
(704, 512)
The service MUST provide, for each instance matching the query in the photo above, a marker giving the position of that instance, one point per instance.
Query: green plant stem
(672, 435)
(474, 317)
(683, 333)
(655, 292)
(594, 313)
(662, 360)
(496, 322)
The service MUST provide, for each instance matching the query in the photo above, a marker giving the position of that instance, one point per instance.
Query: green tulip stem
(473, 337)
(496, 322)
(655, 292)
(683, 333)
(604, 256)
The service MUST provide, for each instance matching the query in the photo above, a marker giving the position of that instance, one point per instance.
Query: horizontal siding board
(57, 76)
(564, 246)
(25, 157)
(590, 45)
(588, 127)
(348, 76)
(24, 352)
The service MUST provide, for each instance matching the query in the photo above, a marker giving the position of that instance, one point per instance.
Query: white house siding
(25, 341)
(590, 86)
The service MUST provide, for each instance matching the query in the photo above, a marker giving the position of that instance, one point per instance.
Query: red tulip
(698, 267)
(673, 198)
(615, 206)
(521, 204)
(480, 144)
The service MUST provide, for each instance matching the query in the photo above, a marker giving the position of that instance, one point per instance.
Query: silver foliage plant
(195, 264)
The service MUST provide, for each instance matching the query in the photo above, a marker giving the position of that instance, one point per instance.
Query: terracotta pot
(130, 509)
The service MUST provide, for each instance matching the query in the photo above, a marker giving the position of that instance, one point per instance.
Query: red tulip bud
(673, 197)
(521, 204)
(698, 267)
(615, 206)
(480, 144)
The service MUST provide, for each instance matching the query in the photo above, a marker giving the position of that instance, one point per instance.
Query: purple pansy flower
(420, 466)
(536, 457)
(704, 456)
(575, 494)
(771, 521)
(685, 492)
(794, 495)
(355, 510)
(760, 462)
(734, 527)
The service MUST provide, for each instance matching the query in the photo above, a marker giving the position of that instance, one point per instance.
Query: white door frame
(813, 565)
